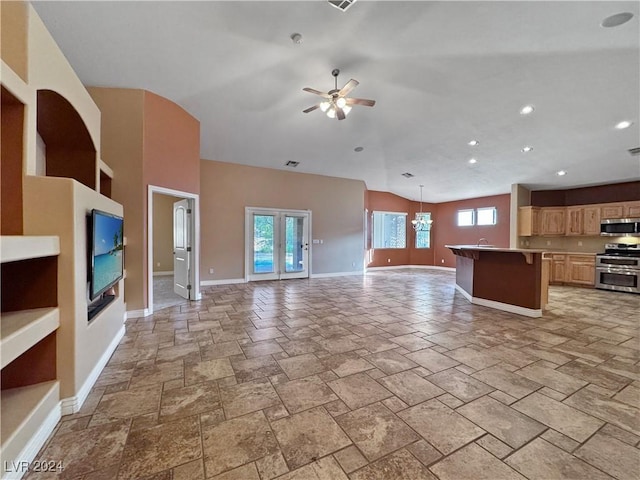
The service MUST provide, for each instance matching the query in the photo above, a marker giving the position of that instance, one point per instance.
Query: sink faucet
(486, 242)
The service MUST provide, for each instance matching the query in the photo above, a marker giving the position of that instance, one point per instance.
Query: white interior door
(182, 248)
(277, 244)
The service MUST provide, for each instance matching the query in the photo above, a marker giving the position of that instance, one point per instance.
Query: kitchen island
(509, 279)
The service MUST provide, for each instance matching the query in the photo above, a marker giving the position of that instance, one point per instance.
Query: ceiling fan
(336, 104)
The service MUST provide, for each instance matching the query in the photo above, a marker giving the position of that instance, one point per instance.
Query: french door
(277, 244)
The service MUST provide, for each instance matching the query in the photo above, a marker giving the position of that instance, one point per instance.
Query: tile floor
(388, 376)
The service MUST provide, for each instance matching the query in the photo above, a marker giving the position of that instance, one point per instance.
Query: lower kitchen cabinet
(573, 269)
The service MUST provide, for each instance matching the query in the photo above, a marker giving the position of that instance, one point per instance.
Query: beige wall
(146, 140)
(163, 232)
(122, 118)
(337, 207)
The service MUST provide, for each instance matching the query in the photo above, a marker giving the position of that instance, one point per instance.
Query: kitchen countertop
(491, 248)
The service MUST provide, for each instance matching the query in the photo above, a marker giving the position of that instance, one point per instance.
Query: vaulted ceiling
(442, 73)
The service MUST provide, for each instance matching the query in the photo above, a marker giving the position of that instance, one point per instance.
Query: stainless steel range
(618, 268)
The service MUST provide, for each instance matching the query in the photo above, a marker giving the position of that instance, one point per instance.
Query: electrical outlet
(579, 243)
(353, 264)
(443, 260)
(158, 264)
(548, 243)
(388, 260)
(211, 271)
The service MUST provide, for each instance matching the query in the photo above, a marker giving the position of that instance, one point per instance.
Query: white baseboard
(71, 405)
(336, 274)
(425, 267)
(505, 307)
(138, 313)
(33, 446)
(226, 281)
(162, 274)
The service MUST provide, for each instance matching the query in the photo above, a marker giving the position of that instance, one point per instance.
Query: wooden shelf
(23, 247)
(24, 412)
(23, 329)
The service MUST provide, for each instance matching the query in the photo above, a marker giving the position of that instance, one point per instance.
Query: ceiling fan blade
(311, 109)
(351, 84)
(317, 92)
(340, 114)
(361, 101)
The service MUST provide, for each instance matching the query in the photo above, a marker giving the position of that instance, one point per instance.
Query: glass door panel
(263, 244)
(295, 244)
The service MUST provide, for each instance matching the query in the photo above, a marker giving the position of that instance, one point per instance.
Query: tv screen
(107, 251)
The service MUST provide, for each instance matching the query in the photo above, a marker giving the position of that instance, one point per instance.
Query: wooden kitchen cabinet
(528, 221)
(553, 221)
(557, 269)
(632, 210)
(591, 220)
(575, 221)
(580, 269)
(615, 210)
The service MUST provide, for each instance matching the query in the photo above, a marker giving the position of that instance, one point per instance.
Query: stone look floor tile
(170, 368)
(432, 360)
(128, 403)
(305, 393)
(513, 384)
(441, 426)
(474, 463)
(505, 423)
(301, 366)
(324, 469)
(158, 448)
(400, 465)
(307, 436)
(559, 416)
(248, 397)
(94, 448)
(612, 456)
(390, 362)
(410, 387)
(376, 430)
(187, 401)
(539, 460)
(235, 442)
(458, 384)
(359, 390)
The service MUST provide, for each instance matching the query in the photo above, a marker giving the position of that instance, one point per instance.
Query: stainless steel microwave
(620, 227)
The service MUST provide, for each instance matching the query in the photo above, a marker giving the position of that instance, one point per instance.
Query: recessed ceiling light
(561, 173)
(526, 149)
(358, 149)
(624, 124)
(296, 38)
(472, 160)
(474, 143)
(617, 19)
(526, 110)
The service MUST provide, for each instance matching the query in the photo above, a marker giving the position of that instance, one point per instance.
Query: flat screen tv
(106, 260)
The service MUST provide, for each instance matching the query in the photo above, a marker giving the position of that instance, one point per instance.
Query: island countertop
(491, 248)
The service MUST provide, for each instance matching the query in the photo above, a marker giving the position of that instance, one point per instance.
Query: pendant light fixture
(419, 223)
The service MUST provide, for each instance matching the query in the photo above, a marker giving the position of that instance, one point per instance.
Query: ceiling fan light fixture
(331, 112)
(346, 109)
(341, 102)
(324, 106)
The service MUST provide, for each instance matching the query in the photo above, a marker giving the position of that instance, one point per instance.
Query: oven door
(618, 279)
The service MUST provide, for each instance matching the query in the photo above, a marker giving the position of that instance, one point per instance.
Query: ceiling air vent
(408, 175)
(342, 4)
(292, 164)
(634, 151)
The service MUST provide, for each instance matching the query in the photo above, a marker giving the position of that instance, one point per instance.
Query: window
(423, 237)
(487, 216)
(389, 230)
(466, 218)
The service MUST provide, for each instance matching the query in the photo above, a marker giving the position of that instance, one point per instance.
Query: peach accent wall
(389, 202)
(337, 207)
(163, 232)
(446, 230)
(147, 140)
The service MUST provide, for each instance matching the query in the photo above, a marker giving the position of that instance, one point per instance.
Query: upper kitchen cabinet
(591, 220)
(553, 221)
(528, 221)
(575, 221)
(614, 210)
(632, 209)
